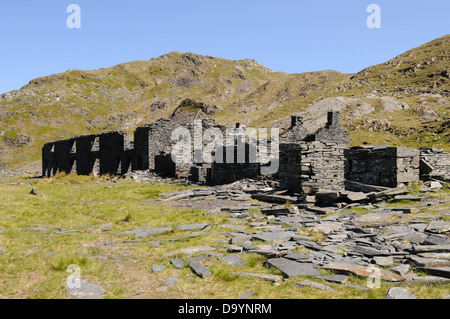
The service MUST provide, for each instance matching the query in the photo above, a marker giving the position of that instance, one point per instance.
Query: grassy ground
(34, 263)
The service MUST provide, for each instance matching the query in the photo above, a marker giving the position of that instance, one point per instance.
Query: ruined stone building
(113, 153)
(106, 153)
(308, 163)
(324, 160)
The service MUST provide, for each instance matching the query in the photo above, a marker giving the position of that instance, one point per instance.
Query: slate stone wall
(201, 174)
(88, 161)
(149, 141)
(322, 166)
(332, 131)
(229, 172)
(289, 171)
(307, 167)
(434, 163)
(58, 157)
(296, 132)
(382, 165)
(107, 153)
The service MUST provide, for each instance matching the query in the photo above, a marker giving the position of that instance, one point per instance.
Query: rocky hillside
(404, 101)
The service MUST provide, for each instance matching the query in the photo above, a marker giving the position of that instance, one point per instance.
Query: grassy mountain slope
(404, 101)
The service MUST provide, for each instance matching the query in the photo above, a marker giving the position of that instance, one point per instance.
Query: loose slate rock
(266, 277)
(144, 232)
(43, 229)
(189, 251)
(292, 268)
(408, 197)
(402, 269)
(373, 218)
(298, 256)
(435, 240)
(399, 293)
(437, 271)
(309, 283)
(339, 279)
(199, 269)
(363, 271)
(65, 232)
(328, 228)
(235, 249)
(384, 261)
(86, 290)
(367, 251)
(436, 255)
(431, 248)
(123, 258)
(321, 211)
(233, 260)
(293, 210)
(274, 236)
(234, 227)
(428, 262)
(248, 294)
(194, 227)
(158, 268)
(49, 254)
(439, 227)
(171, 281)
(177, 263)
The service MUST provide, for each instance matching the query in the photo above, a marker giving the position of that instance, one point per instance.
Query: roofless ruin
(308, 163)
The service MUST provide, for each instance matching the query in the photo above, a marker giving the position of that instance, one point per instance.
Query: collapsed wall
(382, 165)
(434, 164)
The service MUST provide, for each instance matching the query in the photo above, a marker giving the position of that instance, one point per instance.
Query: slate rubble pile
(399, 242)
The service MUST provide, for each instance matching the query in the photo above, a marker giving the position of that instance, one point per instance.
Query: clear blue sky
(284, 35)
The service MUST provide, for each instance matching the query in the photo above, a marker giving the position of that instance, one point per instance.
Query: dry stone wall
(107, 153)
(332, 131)
(434, 163)
(149, 141)
(309, 167)
(226, 172)
(382, 165)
